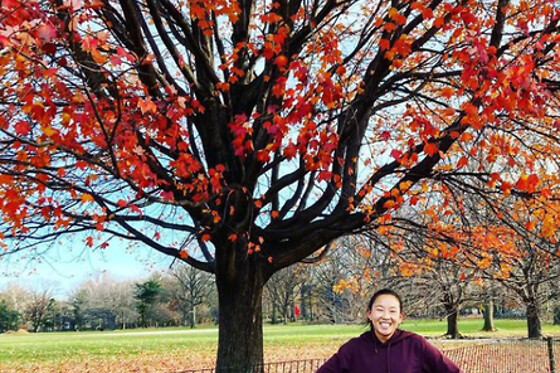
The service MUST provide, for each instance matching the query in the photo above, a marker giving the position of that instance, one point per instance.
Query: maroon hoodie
(404, 352)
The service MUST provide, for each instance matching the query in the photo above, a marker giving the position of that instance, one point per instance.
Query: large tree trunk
(452, 322)
(273, 320)
(240, 342)
(533, 320)
(192, 316)
(489, 316)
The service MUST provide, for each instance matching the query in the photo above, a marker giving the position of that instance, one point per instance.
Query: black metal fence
(505, 355)
(295, 366)
(473, 356)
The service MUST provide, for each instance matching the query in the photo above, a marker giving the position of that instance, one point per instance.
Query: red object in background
(296, 310)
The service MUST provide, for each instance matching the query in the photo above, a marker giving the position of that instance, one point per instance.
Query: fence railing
(294, 366)
(473, 356)
(504, 355)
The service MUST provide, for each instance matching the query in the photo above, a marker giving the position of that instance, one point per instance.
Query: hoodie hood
(398, 337)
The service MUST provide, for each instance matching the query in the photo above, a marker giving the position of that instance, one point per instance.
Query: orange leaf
(281, 62)
(147, 106)
(389, 204)
(183, 254)
(447, 92)
(86, 197)
(466, 137)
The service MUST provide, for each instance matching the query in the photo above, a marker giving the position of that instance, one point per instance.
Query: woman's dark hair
(383, 292)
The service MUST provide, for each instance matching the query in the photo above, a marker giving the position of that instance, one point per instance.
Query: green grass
(77, 346)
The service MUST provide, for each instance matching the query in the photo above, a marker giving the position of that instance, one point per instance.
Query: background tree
(282, 291)
(146, 295)
(78, 301)
(104, 302)
(9, 318)
(489, 295)
(243, 136)
(36, 310)
(190, 288)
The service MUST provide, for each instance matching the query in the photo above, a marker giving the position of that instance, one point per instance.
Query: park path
(154, 332)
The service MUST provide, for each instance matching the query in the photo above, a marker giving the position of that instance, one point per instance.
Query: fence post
(550, 343)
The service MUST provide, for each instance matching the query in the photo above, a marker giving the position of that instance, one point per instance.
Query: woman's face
(385, 315)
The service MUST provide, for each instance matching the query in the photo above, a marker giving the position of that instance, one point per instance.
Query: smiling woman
(385, 347)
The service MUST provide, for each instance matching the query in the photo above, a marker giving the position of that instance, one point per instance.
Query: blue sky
(64, 268)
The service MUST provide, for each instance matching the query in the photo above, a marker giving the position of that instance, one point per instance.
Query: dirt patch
(19, 331)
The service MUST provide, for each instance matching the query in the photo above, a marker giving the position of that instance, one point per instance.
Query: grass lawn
(173, 349)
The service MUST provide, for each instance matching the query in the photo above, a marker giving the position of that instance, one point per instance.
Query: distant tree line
(181, 296)
(334, 290)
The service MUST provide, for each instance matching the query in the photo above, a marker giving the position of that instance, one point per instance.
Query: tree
(518, 249)
(282, 292)
(146, 295)
(242, 136)
(9, 318)
(78, 301)
(489, 295)
(104, 295)
(436, 274)
(36, 311)
(51, 316)
(192, 288)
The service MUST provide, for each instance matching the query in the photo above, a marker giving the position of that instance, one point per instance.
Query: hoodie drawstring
(388, 354)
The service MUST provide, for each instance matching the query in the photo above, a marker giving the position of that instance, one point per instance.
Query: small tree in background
(146, 295)
(190, 288)
(36, 310)
(9, 318)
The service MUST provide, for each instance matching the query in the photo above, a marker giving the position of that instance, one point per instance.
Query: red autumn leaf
(395, 153)
(431, 148)
(22, 128)
(290, 151)
(384, 44)
(462, 162)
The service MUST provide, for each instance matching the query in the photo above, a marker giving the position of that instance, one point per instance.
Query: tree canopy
(241, 136)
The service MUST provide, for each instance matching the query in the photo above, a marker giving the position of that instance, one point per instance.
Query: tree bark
(273, 320)
(489, 316)
(192, 316)
(240, 341)
(533, 320)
